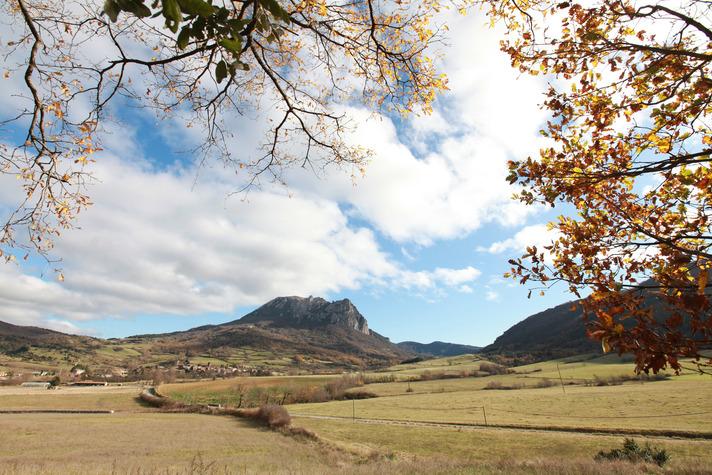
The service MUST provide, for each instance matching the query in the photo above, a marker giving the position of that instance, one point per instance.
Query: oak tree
(628, 152)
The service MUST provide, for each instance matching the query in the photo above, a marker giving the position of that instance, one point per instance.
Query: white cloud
(438, 279)
(538, 235)
(492, 296)
(156, 244)
(444, 176)
(65, 326)
(453, 277)
(151, 245)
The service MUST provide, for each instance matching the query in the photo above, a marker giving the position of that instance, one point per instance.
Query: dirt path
(670, 434)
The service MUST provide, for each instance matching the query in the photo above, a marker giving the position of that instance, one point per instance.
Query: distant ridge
(560, 331)
(438, 348)
(553, 333)
(15, 339)
(327, 334)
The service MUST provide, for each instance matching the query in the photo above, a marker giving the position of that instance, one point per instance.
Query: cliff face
(308, 312)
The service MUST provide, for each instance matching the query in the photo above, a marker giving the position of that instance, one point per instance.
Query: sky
(419, 244)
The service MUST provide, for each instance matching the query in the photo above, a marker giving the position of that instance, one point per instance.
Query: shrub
(499, 385)
(428, 375)
(620, 379)
(492, 368)
(359, 395)
(337, 388)
(632, 452)
(545, 383)
(417, 359)
(273, 416)
(300, 432)
(152, 398)
(385, 378)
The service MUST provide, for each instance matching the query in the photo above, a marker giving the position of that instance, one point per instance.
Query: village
(84, 375)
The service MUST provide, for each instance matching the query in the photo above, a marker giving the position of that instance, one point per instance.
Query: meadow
(140, 439)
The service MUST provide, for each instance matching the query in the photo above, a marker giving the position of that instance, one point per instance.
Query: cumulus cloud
(538, 235)
(159, 242)
(443, 176)
(438, 278)
(153, 245)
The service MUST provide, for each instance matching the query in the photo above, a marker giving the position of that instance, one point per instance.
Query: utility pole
(560, 378)
(353, 413)
(484, 413)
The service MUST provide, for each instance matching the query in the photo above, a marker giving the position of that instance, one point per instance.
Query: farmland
(140, 439)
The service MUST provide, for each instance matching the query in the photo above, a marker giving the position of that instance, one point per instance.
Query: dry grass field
(122, 399)
(226, 391)
(148, 443)
(663, 405)
(160, 443)
(140, 440)
(528, 452)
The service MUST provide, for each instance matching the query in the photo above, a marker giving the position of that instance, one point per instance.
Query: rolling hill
(553, 333)
(16, 340)
(559, 332)
(438, 348)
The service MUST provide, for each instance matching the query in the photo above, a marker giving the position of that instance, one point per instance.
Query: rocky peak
(309, 312)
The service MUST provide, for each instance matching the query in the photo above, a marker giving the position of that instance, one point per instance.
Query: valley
(357, 403)
(412, 425)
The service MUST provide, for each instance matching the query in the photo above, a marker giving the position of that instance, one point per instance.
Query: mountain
(311, 312)
(438, 348)
(16, 339)
(305, 333)
(560, 331)
(553, 333)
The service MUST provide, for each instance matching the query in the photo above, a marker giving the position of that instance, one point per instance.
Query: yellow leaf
(605, 346)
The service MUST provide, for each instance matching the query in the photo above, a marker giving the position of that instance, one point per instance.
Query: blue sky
(419, 243)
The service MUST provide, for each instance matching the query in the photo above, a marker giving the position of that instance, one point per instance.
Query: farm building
(37, 384)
